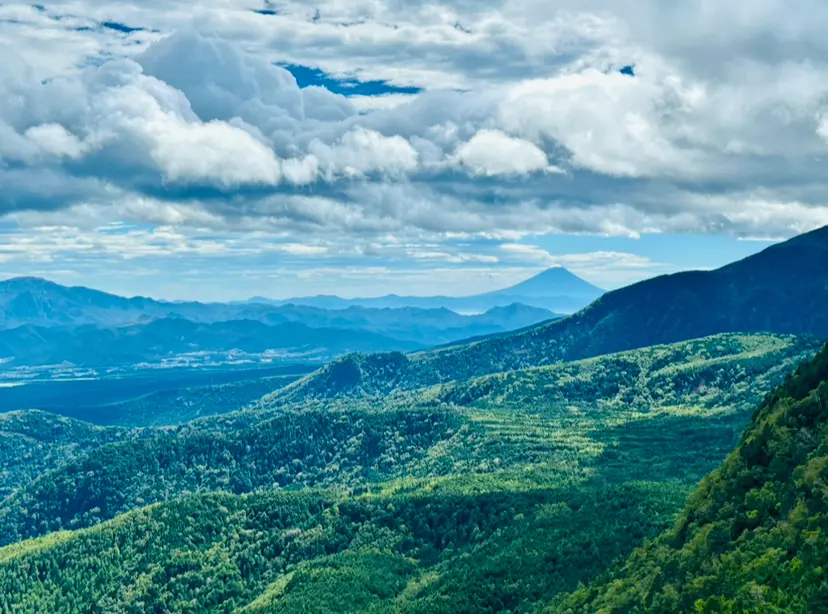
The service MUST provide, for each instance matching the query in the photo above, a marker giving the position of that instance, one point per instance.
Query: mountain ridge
(757, 294)
(42, 303)
(556, 289)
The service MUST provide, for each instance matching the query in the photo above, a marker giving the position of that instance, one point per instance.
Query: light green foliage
(701, 371)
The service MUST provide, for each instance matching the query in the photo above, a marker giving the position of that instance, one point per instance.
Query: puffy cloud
(609, 122)
(187, 119)
(492, 152)
(360, 151)
(210, 152)
(56, 140)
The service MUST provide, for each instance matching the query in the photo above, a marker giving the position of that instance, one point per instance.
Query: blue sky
(246, 148)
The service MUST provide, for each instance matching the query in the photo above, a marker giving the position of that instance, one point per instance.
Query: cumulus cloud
(491, 119)
(492, 153)
(56, 140)
(362, 151)
(211, 152)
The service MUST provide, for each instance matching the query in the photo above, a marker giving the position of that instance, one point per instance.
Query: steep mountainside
(754, 537)
(783, 289)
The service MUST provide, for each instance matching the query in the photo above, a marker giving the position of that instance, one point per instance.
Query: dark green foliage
(433, 549)
(754, 537)
(781, 290)
(295, 450)
(34, 442)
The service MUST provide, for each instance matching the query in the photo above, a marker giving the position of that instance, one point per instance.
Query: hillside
(33, 443)
(304, 450)
(434, 548)
(754, 536)
(475, 508)
(783, 289)
(663, 414)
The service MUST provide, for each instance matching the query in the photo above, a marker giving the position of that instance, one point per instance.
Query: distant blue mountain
(556, 289)
(42, 322)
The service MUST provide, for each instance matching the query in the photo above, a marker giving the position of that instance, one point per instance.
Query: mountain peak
(555, 281)
(26, 282)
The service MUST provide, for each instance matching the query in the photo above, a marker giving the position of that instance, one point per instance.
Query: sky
(230, 148)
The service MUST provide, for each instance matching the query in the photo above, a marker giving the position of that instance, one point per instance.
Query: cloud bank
(453, 128)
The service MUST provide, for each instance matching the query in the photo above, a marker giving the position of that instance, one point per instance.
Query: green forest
(518, 492)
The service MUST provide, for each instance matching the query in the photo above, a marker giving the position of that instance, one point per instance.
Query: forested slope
(667, 413)
(482, 547)
(35, 442)
(754, 536)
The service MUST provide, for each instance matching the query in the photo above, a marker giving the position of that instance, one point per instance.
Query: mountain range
(307, 333)
(555, 289)
(43, 323)
(38, 302)
(782, 289)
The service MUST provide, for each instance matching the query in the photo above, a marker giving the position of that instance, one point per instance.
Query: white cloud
(56, 140)
(190, 122)
(211, 152)
(610, 123)
(361, 151)
(493, 153)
